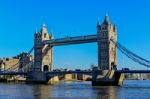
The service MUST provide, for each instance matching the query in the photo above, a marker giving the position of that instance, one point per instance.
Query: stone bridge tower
(107, 57)
(42, 53)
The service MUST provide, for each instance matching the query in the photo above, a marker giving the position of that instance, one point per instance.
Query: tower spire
(114, 27)
(98, 22)
(36, 30)
(43, 30)
(106, 21)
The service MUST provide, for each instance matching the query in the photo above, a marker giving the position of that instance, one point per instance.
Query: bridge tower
(107, 57)
(42, 53)
(42, 59)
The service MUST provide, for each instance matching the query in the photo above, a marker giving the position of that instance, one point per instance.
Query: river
(132, 89)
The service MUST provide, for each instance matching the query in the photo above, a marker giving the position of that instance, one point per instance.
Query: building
(18, 62)
(43, 53)
(6, 63)
(107, 56)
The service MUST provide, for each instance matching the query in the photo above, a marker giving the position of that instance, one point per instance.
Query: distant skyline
(19, 20)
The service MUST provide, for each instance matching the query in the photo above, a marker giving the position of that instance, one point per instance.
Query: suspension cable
(133, 58)
(132, 55)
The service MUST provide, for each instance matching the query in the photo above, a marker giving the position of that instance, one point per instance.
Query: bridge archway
(45, 68)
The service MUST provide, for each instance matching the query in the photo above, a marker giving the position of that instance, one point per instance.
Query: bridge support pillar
(69, 77)
(53, 80)
(36, 77)
(107, 78)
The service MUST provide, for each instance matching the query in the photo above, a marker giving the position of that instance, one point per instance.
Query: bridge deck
(77, 72)
(70, 72)
(133, 71)
(13, 73)
(72, 40)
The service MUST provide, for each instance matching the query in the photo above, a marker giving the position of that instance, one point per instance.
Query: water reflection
(76, 90)
(106, 92)
(73, 90)
(41, 91)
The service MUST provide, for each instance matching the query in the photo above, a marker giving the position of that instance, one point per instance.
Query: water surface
(132, 89)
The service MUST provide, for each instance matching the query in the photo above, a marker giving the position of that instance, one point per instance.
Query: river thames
(137, 89)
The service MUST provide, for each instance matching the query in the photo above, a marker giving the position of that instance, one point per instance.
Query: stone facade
(43, 53)
(6, 63)
(107, 56)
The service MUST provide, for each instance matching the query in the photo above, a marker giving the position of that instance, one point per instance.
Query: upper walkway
(71, 40)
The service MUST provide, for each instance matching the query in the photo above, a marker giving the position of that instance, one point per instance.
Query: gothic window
(44, 35)
(7, 59)
(104, 54)
(37, 41)
(104, 27)
(104, 34)
(98, 31)
(103, 46)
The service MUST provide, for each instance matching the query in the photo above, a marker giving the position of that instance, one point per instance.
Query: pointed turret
(44, 30)
(44, 33)
(98, 23)
(114, 27)
(106, 21)
(98, 26)
(51, 35)
(36, 31)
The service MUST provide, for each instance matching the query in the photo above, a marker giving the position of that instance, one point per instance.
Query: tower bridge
(107, 56)
(106, 39)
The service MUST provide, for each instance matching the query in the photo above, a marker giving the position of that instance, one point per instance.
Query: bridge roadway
(133, 71)
(77, 72)
(13, 73)
(49, 73)
(71, 40)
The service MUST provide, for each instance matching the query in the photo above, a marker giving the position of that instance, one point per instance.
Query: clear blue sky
(19, 19)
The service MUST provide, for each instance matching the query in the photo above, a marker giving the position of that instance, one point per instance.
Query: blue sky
(20, 18)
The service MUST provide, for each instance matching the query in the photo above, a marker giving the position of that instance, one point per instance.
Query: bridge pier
(107, 78)
(53, 80)
(38, 77)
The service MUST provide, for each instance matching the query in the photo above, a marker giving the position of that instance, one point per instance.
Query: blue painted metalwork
(72, 40)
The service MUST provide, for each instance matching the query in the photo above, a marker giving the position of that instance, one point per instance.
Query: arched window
(44, 35)
(45, 68)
